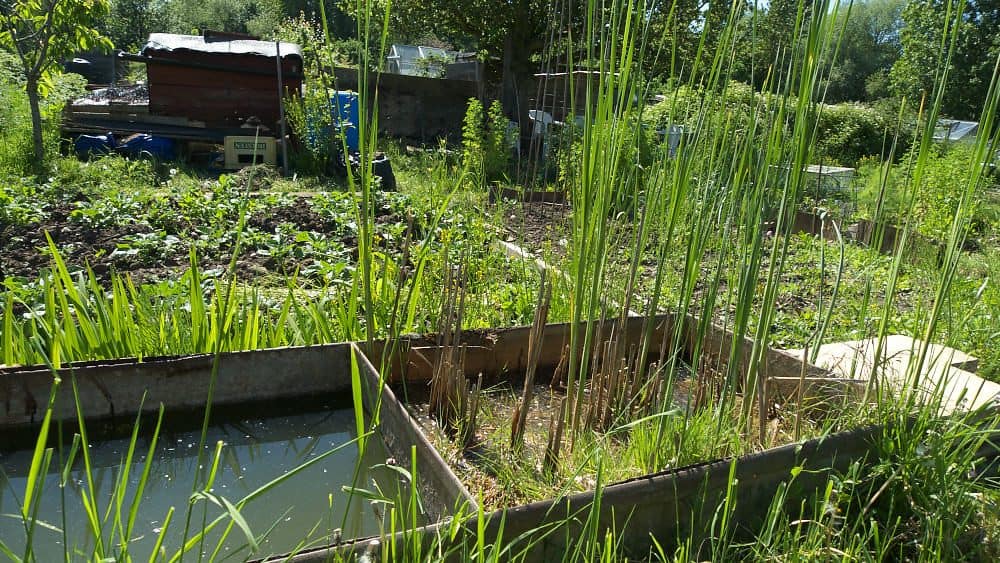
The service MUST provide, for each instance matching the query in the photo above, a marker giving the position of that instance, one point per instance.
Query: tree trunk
(516, 82)
(31, 86)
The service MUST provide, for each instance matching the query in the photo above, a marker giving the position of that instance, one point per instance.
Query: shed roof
(955, 129)
(197, 43)
(828, 170)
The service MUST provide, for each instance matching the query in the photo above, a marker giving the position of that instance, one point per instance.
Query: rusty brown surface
(221, 90)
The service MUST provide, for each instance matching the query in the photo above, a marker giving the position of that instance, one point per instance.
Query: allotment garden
(693, 320)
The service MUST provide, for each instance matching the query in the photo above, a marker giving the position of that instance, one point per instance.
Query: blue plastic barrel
(143, 145)
(345, 114)
(88, 145)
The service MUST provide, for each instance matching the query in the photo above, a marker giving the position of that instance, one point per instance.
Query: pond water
(300, 512)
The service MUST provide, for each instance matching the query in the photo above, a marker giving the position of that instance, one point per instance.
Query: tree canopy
(971, 68)
(44, 33)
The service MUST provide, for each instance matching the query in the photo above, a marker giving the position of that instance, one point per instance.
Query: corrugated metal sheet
(198, 44)
(956, 130)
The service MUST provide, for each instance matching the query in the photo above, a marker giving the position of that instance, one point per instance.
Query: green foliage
(473, 143)
(15, 127)
(43, 33)
(871, 176)
(317, 52)
(937, 197)
(631, 160)
(256, 17)
(920, 67)
(848, 132)
(433, 65)
(497, 144)
(16, 146)
(311, 119)
(130, 22)
(311, 115)
(775, 39)
(868, 49)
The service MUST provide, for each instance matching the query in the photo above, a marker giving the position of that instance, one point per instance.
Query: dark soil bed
(539, 227)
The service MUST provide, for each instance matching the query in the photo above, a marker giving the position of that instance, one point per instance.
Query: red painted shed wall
(220, 98)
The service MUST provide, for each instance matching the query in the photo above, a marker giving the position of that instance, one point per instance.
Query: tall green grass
(923, 498)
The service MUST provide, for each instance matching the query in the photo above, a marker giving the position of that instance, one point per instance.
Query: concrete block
(946, 374)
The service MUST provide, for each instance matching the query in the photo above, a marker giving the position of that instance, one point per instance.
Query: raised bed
(247, 386)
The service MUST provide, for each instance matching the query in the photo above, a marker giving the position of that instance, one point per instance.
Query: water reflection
(305, 508)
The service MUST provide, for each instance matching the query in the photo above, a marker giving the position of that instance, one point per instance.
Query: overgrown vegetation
(118, 258)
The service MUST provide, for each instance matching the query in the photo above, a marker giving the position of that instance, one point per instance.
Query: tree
(869, 47)
(43, 33)
(773, 34)
(256, 17)
(678, 29)
(977, 36)
(513, 33)
(131, 21)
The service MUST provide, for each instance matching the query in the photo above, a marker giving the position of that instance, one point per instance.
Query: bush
(870, 173)
(497, 156)
(637, 153)
(940, 191)
(848, 132)
(936, 198)
(473, 137)
(485, 143)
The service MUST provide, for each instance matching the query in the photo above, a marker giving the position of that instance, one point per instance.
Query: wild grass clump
(706, 234)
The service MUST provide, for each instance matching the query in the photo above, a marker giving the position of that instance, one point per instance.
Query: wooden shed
(219, 80)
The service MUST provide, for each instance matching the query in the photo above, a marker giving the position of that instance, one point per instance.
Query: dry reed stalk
(449, 393)
(550, 463)
(635, 384)
(471, 418)
(560, 371)
(616, 393)
(534, 351)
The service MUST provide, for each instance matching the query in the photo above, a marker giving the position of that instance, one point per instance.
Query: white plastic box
(241, 151)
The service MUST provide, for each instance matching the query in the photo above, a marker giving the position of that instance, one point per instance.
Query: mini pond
(296, 513)
(274, 410)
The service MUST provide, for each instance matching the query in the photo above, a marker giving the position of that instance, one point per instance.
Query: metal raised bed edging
(667, 508)
(496, 351)
(663, 510)
(112, 392)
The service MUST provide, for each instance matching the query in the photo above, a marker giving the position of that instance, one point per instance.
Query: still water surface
(304, 508)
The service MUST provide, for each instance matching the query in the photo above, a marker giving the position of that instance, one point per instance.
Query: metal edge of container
(667, 508)
(107, 390)
(111, 391)
(496, 351)
(442, 492)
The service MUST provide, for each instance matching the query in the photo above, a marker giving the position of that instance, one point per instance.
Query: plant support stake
(281, 111)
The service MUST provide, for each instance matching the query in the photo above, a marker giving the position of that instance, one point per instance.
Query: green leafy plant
(42, 33)
(473, 149)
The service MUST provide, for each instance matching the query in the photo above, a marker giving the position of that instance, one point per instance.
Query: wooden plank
(136, 118)
(210, 134)
(199, 78)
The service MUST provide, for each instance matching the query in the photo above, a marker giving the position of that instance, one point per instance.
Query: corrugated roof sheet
(955, 129)
(197, 43)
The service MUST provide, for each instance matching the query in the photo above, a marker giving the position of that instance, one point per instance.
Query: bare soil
(23, 248)
(538, 227)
